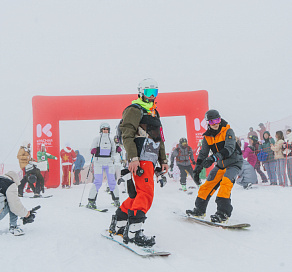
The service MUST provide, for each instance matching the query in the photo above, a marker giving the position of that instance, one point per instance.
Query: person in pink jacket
(249, 154)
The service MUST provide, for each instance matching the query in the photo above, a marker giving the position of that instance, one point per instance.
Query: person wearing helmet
(220, 139)
(183, 155)
(103, 149)
(144, 144)
(251, 133)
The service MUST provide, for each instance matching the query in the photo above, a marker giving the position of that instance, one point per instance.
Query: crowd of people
(137, 149)
(273, 155)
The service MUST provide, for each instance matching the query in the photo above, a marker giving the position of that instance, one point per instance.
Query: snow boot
(196, 213)
(117, 203)
(91, 204)
(247, 186)
(16, 231)
(184, 187)
(219, 217)
(134, 234)
(37, 196)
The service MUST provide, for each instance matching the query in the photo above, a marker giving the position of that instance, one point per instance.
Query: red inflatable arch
(49, 110)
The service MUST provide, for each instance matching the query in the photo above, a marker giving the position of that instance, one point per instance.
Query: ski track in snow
(66, 237)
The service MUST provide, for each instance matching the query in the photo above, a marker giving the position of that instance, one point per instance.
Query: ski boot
(219, 217)
(196, 213)
(91, 204)
(16, 231)
(134, 234)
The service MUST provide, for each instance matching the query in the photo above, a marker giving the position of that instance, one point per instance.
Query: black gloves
(209, 161)
(193, 162)
(171, 167)
(196, 174)
(31, 217)
(198, 169)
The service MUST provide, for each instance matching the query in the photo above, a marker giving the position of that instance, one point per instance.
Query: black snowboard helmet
(254, 138)
(183, 141)
(212, 114)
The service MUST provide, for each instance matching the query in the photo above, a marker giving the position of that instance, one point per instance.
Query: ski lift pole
(86, 180)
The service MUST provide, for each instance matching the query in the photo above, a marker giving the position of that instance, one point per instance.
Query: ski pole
(86, 179)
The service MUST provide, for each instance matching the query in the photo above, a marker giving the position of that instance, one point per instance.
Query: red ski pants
(66, 178)
(144, 188)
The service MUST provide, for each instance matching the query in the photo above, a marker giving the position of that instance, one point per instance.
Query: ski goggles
(184, 144)
(149, 92)
(214, 121)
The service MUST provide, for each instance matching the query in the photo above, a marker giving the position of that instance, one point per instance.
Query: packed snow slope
(66, 237)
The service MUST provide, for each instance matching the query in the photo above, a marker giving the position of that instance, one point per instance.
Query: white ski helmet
(105, 125)
(147, 83)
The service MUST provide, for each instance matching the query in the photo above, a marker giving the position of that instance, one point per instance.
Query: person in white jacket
(103, 149)
(10, 203)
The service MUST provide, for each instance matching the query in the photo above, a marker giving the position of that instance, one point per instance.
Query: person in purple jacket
(257, 167)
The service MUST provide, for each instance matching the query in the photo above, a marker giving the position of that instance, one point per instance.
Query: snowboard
(212, 224)
(98, 210)
(187, 192)
(41, 196)
(141, 251)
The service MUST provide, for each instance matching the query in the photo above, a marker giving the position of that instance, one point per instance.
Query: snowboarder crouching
(10, 203)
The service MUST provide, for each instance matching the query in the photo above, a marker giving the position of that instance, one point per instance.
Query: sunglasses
(214, 121)
(105, 129)
(149, 92)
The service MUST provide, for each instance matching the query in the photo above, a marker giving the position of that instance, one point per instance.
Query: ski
(212, 224)
(141, 251)
(98, 210)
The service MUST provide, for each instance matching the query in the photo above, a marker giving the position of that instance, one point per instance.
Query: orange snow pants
(144, 188)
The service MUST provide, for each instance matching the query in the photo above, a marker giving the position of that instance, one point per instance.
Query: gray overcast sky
(239, 51)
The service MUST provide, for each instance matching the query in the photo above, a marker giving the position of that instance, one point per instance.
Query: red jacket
(68, 156)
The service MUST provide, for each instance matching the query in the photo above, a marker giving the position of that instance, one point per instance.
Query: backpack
(118, 130)
(262, 156)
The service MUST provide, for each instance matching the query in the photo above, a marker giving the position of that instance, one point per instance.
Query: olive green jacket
(129, 128)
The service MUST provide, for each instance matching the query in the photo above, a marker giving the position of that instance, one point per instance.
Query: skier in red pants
(143, 141)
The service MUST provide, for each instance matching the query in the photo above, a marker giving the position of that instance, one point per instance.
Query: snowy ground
(65, 237)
